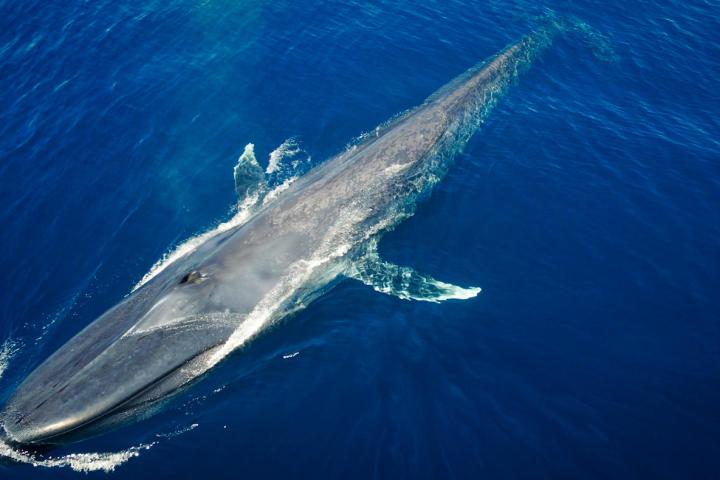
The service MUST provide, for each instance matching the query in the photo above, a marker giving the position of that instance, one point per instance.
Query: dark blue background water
(587, 209)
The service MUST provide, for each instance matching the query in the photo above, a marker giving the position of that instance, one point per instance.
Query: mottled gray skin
(157, 338)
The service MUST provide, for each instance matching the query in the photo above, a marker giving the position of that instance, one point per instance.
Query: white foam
(291, 355)
(179, 431)
(430, 290)
(289, 148)
(7, 351)
(248, 156)
(248, 175)
(87, 461)
(450, 292)
(80, 462)
(272, 194)
(404, 282)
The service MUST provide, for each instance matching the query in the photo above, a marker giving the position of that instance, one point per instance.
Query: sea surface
(587, 208)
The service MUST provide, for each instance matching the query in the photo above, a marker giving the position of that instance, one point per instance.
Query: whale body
(322, 228)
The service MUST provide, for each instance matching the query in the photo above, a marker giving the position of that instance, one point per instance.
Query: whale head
(135, 353)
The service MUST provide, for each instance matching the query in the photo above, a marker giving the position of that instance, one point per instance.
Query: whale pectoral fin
(404, 282)
(250, 183)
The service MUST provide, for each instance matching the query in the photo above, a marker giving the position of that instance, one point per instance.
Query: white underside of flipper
(404, 282)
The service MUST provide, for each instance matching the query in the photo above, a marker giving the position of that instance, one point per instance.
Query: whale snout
(71, 390)
(21, 428)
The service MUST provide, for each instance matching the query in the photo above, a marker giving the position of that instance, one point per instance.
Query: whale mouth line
(54, 438)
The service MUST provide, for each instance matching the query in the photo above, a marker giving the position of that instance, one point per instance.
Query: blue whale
(323, 227)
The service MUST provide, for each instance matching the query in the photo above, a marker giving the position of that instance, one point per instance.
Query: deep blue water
(586, 208)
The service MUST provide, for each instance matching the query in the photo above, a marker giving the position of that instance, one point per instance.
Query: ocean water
(586, 208)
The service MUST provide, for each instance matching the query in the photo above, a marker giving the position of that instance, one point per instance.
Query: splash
(7, 351)
(80, 462)
(289, 149)
(287, 161)
(248, 174)
(404, 282)
(87, 461)
(179, 431)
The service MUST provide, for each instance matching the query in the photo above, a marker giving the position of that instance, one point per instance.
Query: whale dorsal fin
(404, 282)
(249, 175)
